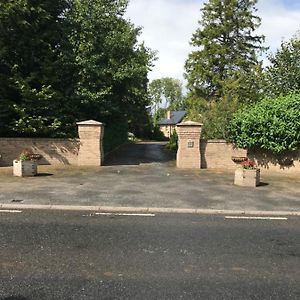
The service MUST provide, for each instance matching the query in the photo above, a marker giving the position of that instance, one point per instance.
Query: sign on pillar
(91, 143)
(188, 154)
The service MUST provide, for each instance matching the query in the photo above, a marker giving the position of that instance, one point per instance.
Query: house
(168, 124)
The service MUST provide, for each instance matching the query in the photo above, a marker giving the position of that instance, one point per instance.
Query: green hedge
(271, 124)
(173, 142)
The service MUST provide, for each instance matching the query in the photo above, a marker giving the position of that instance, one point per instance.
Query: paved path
(78, 256)
(148, 179)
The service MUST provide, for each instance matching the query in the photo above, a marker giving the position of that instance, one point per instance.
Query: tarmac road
(78, 255)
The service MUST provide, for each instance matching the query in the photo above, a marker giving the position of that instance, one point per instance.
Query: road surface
(74, 255)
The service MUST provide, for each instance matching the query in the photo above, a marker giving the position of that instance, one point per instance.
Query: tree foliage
(63, 61)
(31, 67)
(215, 115)
(113, 68)
(166, 92)
(158, 114)
(226, 51)
(282, 76)
(271, 124)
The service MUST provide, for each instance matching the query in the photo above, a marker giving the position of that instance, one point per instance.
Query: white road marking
(257, 218)
(124, 214)
(9, 211)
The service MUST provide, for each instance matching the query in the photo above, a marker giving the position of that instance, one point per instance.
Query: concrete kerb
(162, 210)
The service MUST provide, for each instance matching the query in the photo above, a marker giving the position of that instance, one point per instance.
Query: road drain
(17, 200)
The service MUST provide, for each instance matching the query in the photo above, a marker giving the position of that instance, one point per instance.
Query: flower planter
(24, 168)
(247, 177)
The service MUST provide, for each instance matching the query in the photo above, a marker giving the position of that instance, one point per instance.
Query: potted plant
(247, 174)
(26, 164)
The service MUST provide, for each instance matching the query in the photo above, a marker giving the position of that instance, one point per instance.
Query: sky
(168, 25)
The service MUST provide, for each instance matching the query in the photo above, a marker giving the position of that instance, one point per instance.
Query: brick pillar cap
(189, 123)
(90, 123)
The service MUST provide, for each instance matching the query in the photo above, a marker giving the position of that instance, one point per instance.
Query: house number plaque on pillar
(188, 154)
(190, 144)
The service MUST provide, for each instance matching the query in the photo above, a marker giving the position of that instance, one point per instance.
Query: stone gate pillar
(188, 154)
(91, 143)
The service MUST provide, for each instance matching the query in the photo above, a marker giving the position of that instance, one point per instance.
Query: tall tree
(32, 97)
(112, 80)
(282, 76)
(166, 92)
(63, 60)
(225, 62)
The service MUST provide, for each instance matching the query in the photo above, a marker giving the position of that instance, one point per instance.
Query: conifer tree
(225, 63)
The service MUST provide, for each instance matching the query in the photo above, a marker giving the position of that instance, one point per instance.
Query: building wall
(167, 130)
(218, 154)
(53, 151)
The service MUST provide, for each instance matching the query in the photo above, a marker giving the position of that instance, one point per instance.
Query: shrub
(173, 142)
(157, 135)
(214, 115)
(271, 124)
(217, 117)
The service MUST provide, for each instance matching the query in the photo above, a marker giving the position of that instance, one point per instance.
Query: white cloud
(168, 26)
(279, 22)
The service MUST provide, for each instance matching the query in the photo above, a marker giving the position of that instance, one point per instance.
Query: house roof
(176, 117)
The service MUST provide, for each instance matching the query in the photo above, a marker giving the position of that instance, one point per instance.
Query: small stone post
(91, 143)
(188, 154)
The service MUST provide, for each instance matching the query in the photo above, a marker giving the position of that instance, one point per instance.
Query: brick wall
(218, 154)
(167, 130)
(268, 162)
(214, 154)
(54, 151)
(91, 143)
(188, 154)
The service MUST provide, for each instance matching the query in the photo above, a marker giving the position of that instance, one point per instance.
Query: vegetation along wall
(217, 154)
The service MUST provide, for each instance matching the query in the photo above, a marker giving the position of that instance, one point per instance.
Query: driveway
(141, 153)
(144, 175)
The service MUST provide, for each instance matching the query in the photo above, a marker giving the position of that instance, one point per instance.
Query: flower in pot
(25, 165)
(247, 174)
(248, 165)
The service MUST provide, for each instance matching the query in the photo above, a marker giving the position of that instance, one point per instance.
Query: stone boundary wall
(267, 161)
(217, 154)
(54, 151)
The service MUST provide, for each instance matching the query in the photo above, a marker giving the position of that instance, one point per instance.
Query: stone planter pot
(24, 168)
(245, 177)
